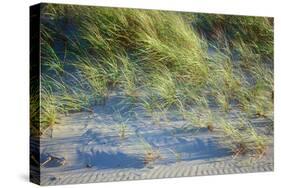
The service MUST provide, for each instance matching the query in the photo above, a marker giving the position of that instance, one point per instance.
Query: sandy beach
(88, 147)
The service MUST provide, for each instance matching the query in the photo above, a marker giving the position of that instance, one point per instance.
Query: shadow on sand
(110, 160)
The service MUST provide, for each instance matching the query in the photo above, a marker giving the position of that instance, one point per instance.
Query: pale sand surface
(87, 147)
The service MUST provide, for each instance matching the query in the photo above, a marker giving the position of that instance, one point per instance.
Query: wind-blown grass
(160, 61)
(255, 32)
(242, 138)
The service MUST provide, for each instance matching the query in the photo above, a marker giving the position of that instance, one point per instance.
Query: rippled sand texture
(90, 147)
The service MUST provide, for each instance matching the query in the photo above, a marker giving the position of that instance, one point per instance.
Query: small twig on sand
(45, 162)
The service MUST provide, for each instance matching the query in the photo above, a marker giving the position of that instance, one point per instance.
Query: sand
(91, 147)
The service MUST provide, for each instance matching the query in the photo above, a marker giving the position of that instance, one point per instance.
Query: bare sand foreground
(97, 147)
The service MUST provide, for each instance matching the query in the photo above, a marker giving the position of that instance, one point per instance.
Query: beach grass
(160, 61)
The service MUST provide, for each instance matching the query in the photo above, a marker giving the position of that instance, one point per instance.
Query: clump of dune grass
(149, 104)
(163, 87)
(94, 78)
(255, 32)
(151, 154)
(256, 88)
(242, 138)
(48, 111)
(129, 79)
(121, 123)
(56, 100)
(201, 117)
(122, 130)
(175, 45)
